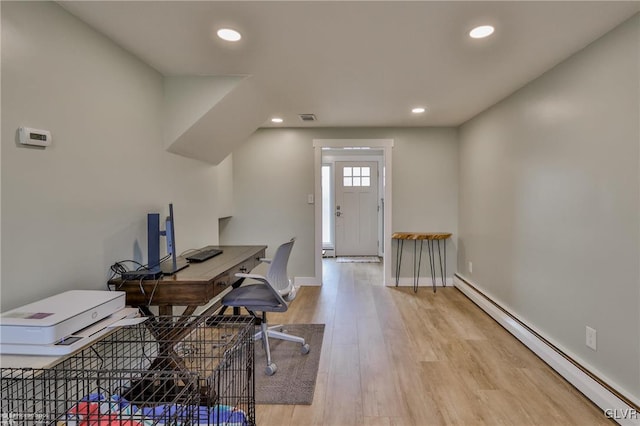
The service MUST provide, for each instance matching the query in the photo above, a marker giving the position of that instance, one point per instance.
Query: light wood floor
(391, 357)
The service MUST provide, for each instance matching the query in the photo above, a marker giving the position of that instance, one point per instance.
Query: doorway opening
(352, 206)
(353, 200)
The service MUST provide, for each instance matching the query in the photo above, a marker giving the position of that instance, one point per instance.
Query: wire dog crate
(167, 370)
(91, 397)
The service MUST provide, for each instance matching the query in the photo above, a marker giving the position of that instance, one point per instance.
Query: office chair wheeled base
(274, 332)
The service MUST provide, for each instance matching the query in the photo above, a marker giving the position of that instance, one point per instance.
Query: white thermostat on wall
(29, 136)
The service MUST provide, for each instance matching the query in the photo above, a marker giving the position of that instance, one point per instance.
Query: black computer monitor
(153, 246)
(172, 264)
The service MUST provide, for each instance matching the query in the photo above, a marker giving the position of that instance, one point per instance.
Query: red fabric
(85, 409)
(88, 414)
(105, 421)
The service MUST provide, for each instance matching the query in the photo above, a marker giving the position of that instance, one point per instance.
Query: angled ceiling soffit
(206, 118)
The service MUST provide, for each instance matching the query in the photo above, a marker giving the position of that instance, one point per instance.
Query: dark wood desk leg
(165, 310)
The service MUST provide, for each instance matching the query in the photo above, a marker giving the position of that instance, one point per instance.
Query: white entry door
(356, 208)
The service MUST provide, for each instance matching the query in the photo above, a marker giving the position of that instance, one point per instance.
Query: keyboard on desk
(203, 254)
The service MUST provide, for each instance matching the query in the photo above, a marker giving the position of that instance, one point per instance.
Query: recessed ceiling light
(229, 34)
(481, 31)
(277, 120)
(418, 110)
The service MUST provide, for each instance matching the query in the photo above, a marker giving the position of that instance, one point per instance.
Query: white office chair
(272, 293)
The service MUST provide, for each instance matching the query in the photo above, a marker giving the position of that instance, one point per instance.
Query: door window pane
(356, 176)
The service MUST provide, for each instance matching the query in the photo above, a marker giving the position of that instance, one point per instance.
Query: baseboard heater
(614, 404)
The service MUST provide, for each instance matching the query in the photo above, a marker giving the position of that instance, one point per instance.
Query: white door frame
(386, 146)
(332, 157)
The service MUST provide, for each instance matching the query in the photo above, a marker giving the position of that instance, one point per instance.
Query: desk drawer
(245, 267)
(164, 293)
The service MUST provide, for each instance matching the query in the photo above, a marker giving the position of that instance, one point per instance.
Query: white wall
(425, 193)
(549, 204)
(71, 210)
(224, 199)
(273, 173)
(188, 98)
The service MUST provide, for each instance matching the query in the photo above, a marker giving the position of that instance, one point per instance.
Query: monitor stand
(168, 267)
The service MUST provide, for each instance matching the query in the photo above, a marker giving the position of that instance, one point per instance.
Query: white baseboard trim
(613, 407)
(306, 281)
(422, 282)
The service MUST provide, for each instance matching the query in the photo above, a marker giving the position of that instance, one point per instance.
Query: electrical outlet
(591, 341)
(470, 267)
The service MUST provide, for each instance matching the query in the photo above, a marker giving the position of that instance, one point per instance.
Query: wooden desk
(430, 237)
(195, 285)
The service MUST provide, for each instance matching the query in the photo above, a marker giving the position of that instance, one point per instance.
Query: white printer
(62, 323)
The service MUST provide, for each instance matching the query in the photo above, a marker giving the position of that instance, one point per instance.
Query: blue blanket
(172, 413)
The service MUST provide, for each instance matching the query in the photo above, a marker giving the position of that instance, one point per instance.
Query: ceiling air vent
(307, 117)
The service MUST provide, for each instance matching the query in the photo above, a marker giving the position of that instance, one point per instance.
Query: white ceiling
(360, 63)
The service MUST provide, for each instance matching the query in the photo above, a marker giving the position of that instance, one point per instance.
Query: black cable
(113, 274)
(120, 267)
(189, 251)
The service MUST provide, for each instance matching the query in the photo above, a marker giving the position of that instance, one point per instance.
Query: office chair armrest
(265, 260)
